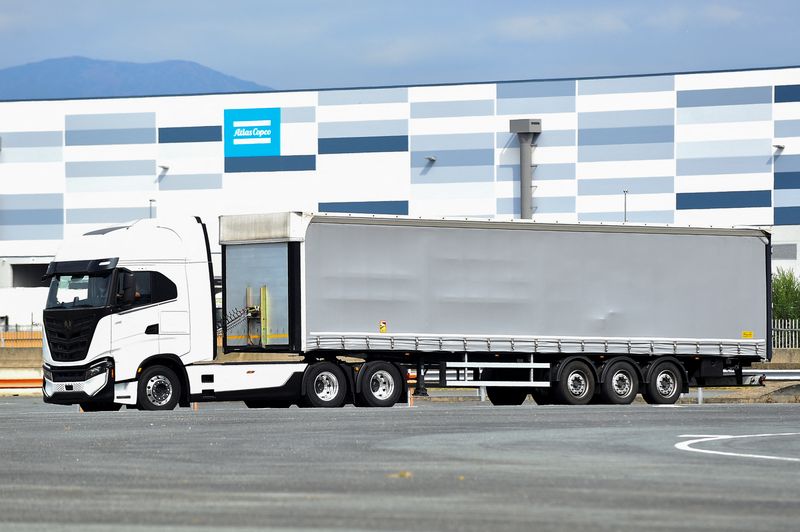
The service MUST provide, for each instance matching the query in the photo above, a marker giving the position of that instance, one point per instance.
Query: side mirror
(128, 289)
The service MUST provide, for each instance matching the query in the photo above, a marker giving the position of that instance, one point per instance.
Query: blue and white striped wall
(694, 149)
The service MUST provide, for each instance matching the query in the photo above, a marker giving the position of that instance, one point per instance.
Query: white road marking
(701, 438)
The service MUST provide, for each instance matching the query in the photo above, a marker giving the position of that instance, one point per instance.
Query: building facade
(713, 148)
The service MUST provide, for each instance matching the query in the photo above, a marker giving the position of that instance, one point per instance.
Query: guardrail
(774, 374)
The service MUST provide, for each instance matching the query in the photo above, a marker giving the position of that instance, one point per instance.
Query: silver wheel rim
(326, 386)
(622, 383)
(577, 384)
(158, 390)
(665, 383)
(381, 385)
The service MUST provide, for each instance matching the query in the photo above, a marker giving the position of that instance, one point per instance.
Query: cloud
(678, 17)
(723, 14)
(402, 52)
(555, 26)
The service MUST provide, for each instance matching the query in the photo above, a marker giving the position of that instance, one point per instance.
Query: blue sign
(253, 132)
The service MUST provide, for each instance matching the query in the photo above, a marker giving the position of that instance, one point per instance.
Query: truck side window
(162, 288)
(152, 287)
(143, 294)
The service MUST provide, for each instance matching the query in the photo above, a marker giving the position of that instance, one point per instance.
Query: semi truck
(323, 310)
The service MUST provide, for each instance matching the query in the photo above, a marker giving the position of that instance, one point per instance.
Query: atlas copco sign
(253, 132)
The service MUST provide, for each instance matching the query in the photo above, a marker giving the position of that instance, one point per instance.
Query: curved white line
(699, 438)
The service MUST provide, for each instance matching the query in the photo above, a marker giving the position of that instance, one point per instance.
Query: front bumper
(69, 385)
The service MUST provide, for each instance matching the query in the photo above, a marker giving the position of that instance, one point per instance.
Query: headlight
(94, 371)
(47, 374)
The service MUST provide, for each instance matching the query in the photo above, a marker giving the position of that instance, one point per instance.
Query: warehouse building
(710, 148)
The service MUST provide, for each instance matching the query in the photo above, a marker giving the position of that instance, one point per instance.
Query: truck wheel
(576, 386)
(159, 389)
(506, 396)
(501, 395)
(381, 385)
(100, 407)
(326, 386)
(621, 384)
(542, 396)
(666, 383)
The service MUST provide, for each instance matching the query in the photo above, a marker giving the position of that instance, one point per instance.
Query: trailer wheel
(621, 384)
(542, 396)
(666, 383)
(576, 386)
(100, 407)
(326, 386)
(381, 385)
(502, 395)
(159, 389)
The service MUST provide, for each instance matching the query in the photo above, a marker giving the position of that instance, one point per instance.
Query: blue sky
(314, 44)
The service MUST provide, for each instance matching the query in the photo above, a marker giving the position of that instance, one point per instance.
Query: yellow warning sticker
(747, 334)
(382, 326)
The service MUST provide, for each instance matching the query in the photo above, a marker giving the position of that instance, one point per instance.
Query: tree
(785, 295)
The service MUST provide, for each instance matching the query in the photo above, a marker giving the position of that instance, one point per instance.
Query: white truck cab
(123, 299)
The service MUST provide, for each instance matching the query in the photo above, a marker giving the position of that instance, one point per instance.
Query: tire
(576, 386)
(381, 385)
(501, 395)
(326, 386)
(100, 407)
(543, 396)
(159, 389)
(666, 384)
(621, 384)
(265, 403)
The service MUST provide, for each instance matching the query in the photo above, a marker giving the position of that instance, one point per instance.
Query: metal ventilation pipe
(526, 129)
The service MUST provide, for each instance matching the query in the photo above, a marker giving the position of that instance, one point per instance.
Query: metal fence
(785, 335)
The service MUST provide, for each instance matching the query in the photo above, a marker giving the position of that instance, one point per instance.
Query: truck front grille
(69, 333)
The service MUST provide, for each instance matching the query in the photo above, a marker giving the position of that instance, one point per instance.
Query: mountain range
(81, 77)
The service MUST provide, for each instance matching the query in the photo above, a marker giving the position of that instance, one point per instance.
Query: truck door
(155, 323)
(173, 316)
(134, 328)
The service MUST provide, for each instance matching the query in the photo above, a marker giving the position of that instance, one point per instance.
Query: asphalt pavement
(436, 466)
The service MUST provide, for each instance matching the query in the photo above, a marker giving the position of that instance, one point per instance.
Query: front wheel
(326, 386)
(381, 385)
(666, 383)
(159, 389)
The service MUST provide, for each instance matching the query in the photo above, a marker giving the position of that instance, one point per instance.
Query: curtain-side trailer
(570, 313)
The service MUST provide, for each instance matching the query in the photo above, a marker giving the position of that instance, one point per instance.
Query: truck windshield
(79, 291)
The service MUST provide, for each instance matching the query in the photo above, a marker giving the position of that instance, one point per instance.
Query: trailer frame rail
(458, 343)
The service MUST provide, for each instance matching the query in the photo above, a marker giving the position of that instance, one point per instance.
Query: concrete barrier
(786, 356)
